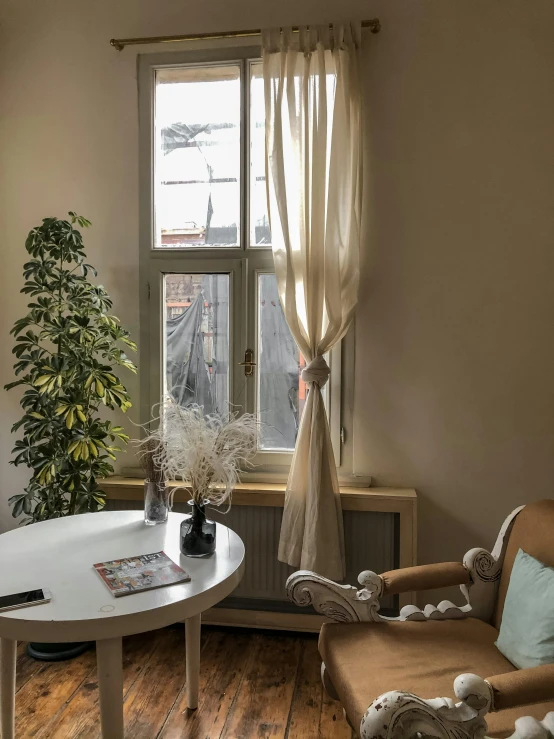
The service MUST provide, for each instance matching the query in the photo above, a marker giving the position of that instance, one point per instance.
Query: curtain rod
(120, 43)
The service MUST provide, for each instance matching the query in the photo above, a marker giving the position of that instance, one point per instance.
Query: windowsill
(273, 494)
(262, 476)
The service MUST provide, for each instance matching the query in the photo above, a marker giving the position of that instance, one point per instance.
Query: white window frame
(243, 263)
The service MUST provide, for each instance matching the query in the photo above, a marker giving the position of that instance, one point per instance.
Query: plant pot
(156, 502)
(57, 652)
(197, 532)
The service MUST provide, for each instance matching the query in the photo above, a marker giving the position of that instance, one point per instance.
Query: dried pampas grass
(205, 453)
(148, 460)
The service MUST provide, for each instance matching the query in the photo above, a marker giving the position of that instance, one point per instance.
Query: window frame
(243, 263)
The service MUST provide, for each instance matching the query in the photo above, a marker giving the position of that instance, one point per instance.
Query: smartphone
(23, 600)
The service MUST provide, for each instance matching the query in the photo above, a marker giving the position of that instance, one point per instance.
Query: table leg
(8, 652)
(110, 684)
(192, 635)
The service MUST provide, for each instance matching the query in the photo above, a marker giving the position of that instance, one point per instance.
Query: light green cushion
(526, 635)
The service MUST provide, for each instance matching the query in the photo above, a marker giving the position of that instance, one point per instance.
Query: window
(197, 156)
(212, 328)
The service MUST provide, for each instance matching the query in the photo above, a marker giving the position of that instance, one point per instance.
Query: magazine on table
(136, 574)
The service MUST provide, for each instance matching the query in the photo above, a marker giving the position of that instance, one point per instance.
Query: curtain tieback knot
(316, 371)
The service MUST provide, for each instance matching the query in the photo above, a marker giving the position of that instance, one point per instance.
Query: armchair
(386, 671)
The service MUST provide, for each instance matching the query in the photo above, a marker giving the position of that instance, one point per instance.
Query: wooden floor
(253, 685)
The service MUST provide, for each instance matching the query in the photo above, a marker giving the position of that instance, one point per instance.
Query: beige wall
(455, 356)
(455, 342)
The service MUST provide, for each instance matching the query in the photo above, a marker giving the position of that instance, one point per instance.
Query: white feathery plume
(205, 453)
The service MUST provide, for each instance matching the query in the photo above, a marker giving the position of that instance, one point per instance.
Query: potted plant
(205, 453)
(66, 349)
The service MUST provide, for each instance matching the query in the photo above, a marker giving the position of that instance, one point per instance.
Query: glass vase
(197, 532)
(156, 502)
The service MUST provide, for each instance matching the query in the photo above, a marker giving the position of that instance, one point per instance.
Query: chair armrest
(400, 715)
(346, 603)
(424, 577)
(522, 687)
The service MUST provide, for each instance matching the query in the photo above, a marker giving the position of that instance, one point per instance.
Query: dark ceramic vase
(197, 532)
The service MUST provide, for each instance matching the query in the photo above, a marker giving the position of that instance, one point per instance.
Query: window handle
(248, 363)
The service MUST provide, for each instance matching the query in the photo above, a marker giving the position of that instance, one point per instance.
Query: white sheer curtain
(314, 176)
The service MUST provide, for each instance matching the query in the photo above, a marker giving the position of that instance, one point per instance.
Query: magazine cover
(144, 572)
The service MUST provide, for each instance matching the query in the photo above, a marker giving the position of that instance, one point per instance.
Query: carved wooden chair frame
(405, 715)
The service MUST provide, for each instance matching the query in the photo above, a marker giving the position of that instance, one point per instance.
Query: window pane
(196, 333)
(197, 156)
(281, 390)
(260, 234)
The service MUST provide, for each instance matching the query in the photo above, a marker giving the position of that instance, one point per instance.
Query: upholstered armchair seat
(435, 672)
(419, 657)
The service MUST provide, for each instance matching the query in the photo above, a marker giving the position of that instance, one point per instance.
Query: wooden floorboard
(253, 685)
(223, 660)
(262, 706)
(306, 702)
(155, 691)
(26, 666)
(332, 724)
(47, 692)
(80, 717)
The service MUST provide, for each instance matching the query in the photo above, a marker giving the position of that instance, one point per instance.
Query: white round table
(59, 555)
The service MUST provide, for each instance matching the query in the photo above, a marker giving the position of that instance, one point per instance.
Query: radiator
(371, 543)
